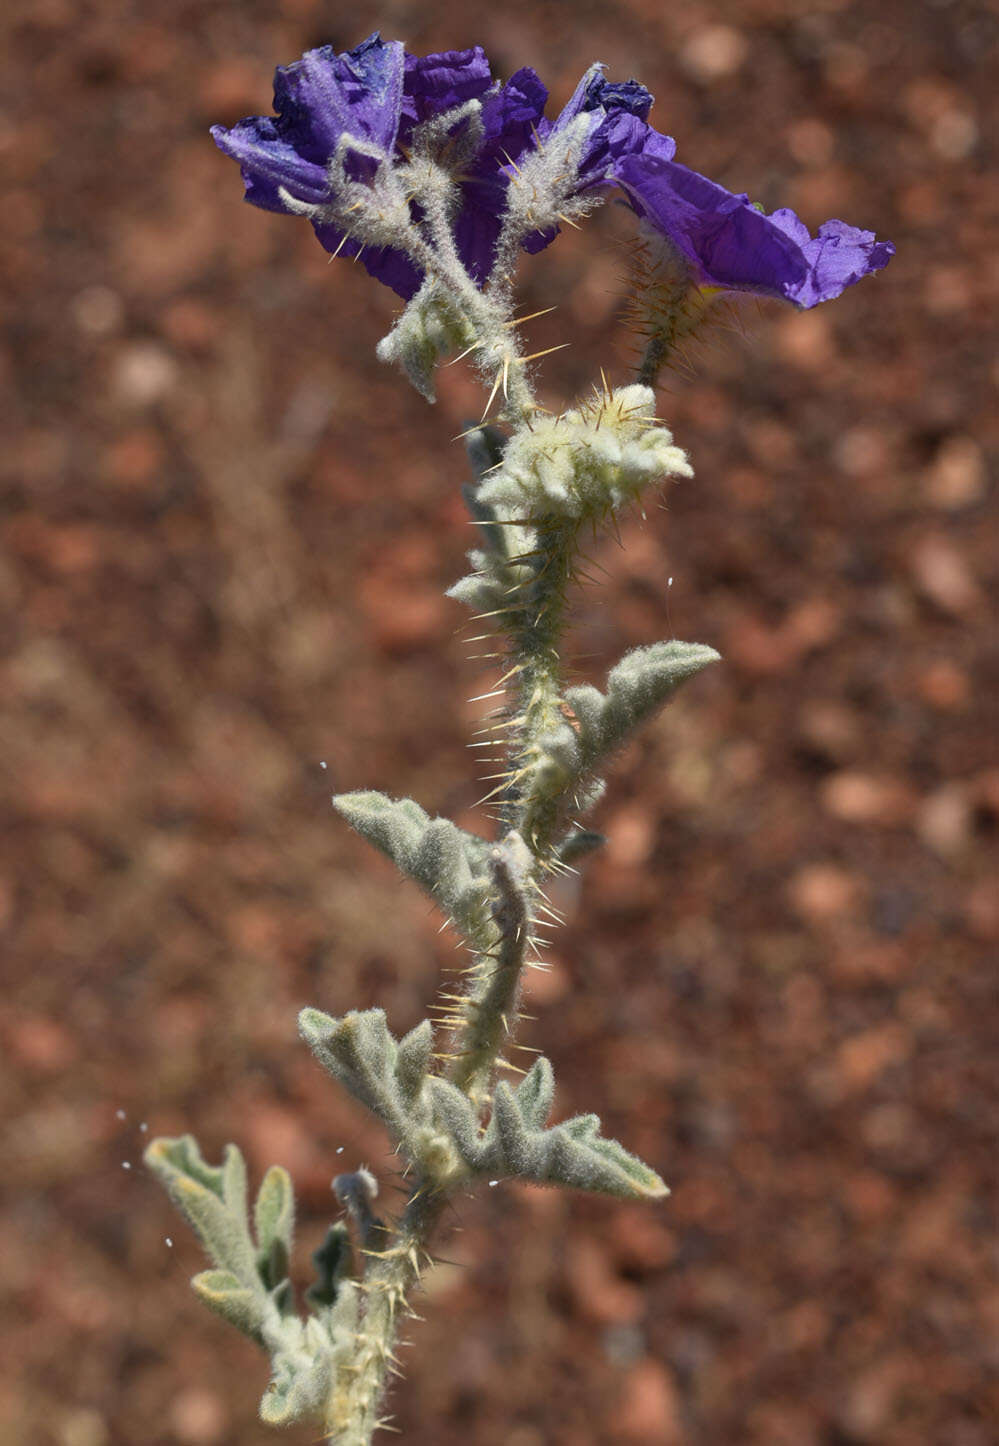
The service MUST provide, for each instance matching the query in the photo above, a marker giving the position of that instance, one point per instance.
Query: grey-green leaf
(413, 1061)
(536, 1093)
(641, 682)
(274, 1223)
(515, 1144)
(225, 1294)
(212, 1198)
(442, 858)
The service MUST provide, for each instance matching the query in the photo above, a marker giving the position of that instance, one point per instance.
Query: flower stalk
(437, 178)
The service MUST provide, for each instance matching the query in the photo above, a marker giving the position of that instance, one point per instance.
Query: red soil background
(226, 533)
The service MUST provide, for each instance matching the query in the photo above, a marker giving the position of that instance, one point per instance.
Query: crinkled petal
(324, 96)
(437, 83)
(580, 100)
(512, 115)
(594, 93)
(838, 256)
(476, 232)
(621, 95)
(729, 243)
(655, 144)
(620, 133)
(392, 268)
(267, 161)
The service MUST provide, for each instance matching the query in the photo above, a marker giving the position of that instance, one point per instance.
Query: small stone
(43, 1044)
(833, 730)
(857, 797)
(713, 51)
(649, 1411)
(942, 575)
(870, 1197)
(957, 476)
(83, 1427)
(954, 135)
(198, 1417)
(131, 462)
(97, 310)
(870, 1402)
(944, 685)
(143, 374)
(631, 833)
(804, 339)
(981, 910)
(862, 452)
(822, 892)
(864, 1056)
(810, 142)
(944, 821)
(599, 1293)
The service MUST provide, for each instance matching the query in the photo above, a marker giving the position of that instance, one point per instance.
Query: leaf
(359, 1051)
(455, 1115)
(515, 1144)
(226, 1295)
(413, 1061)
(213, 1199)
(586, 1161)
(442, 858)
(640, 683)
(274, 1222)
(536, 1093)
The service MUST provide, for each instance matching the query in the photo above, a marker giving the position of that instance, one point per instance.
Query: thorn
(492, 396)
(522, 360)
(476, 346)
(519, 321)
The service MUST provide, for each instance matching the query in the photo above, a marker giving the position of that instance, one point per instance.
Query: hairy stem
(527, 813)
(492, 1000)
(498, 351)
(536, 650)
(352, 1413)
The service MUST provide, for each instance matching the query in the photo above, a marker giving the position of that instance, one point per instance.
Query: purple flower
(618, 129)
(730, 244)
(377, 95)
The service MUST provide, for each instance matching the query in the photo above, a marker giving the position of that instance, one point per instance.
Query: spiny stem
(535, 626)
(352, 1412)
(489, 315)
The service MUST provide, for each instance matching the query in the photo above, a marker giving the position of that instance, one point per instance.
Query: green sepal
(426, 331)
(302, 1374)
(536, 1093)
(413, 1060)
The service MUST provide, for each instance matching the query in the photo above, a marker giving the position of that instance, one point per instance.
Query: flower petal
(324, 96)
(437, 83)
(267, 161)
(386, 265)
(729, 243)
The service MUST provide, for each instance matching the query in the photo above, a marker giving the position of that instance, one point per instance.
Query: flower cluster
(375, 144)
(346, 117)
